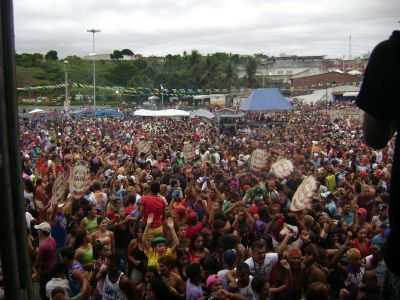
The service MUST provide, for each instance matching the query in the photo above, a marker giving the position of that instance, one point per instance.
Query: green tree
(251, 69)
(127, 52)
(29, 60)
(230, 77)
(116, 55)
(54, 72)
(121, 73)
(51, 55)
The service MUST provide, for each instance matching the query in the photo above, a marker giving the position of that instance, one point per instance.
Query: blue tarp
(269, 99)
(100, 113)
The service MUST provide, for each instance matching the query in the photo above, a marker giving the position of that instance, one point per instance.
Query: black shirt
(379, 97)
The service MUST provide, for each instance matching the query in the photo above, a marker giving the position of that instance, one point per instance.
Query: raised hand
(170, 222)
(150, 219)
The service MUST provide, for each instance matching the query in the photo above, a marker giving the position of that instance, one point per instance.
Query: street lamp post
(263, 79)
(93, 32)
(162, 95)
(66, 101)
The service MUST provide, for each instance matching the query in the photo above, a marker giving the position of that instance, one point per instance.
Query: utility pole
(162, 95)
(93, 32)
(350, 54)
(66, 101)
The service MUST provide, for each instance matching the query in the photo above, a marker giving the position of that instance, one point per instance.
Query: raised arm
(84, 292)
(145, 237)
(175, 240)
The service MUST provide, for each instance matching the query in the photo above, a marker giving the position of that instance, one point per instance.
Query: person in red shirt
(194, 226)
(361, 242)
(153, 204)
(47, 258)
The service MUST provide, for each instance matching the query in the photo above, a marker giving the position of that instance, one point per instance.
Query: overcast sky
(159, 27)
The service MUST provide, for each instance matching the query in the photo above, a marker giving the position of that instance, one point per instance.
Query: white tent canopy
(350, 94)
(153, 98)
(37, 111)
(354, 72)
(161, 113)
(202, 113)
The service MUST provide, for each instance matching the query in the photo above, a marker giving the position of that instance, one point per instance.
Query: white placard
(79, 180)
(302, 198)
(282, 168)
(258, 160)
(143, 147)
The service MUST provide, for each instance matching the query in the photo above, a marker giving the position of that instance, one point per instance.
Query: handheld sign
(258, 160)
(59, 187)
(302, 198)
(143, 147)
(282, 168)
(79, 180)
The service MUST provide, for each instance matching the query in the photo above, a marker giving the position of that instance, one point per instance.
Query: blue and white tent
(264, 100)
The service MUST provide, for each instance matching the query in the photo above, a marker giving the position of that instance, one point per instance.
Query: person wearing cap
(46, 256)
(156, 247)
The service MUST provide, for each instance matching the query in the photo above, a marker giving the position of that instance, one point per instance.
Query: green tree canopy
(51, 55)
(127, 52)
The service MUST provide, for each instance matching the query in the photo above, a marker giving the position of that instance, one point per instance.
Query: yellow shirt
(153, 256)
(331, 182)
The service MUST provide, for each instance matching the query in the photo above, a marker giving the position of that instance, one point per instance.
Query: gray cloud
(167, 26)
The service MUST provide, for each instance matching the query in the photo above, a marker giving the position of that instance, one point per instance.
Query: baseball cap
(212, 279)
(44, 226)
(230, 257)
(158, 240)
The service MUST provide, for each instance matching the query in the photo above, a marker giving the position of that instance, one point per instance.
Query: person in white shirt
(241, 279)
(261, 262)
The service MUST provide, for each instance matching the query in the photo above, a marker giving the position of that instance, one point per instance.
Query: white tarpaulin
(350, 94)
(202, 113)
(161, 113)
(37, 111)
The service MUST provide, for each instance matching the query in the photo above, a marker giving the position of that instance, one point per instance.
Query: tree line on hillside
(187, 70)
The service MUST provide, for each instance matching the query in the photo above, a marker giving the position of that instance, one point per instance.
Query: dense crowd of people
(155, 225)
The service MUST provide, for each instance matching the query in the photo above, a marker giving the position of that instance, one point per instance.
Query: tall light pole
(93, 32)
(66, 101)
(162, 95)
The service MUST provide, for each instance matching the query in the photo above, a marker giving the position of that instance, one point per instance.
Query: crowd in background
(155, 225)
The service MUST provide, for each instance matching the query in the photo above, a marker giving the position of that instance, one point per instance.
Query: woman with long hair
(104, 236)
(197, 249)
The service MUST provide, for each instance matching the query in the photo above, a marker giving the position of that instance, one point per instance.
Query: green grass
(30, 76)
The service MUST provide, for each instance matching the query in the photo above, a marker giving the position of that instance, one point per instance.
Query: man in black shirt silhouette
(379, 98)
